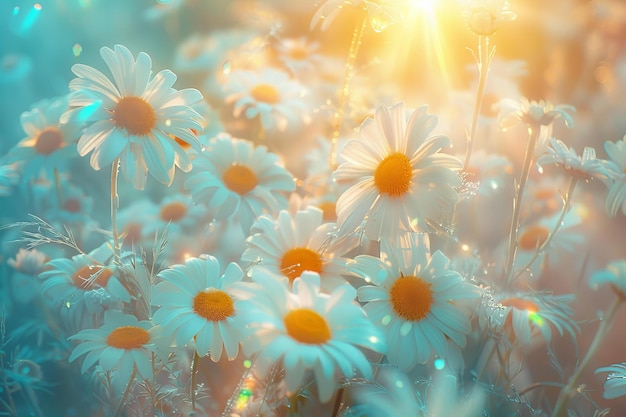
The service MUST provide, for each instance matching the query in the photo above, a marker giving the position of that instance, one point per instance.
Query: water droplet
(386, 320)
(406, 328)
(227, 67)
(439, 364)
(77, 49)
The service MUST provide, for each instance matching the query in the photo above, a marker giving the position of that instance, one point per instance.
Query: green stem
(560, 410)
(355, 44)
(517, 203)
(120, 406)
(194, 372)
(483, 57)
(115, 204)
(564, 210)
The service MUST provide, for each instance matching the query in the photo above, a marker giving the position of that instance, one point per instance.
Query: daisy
(71, 283)
(196, 302)
(308, 331)
(292, 244)
(533, 113)
(614, 274)
(123, 344)
(484, 17)
(237, 180)
(271, 95)
(29, 261)
(582, 167)
(616, 198)
(49, 144)
(528, 314)
(299, 55)
(615, 384)
(402, 178)
(532, 237)
(133, 117)
(414, 300)
(177, 214)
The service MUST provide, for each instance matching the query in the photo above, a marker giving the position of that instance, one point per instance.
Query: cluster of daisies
(338, 269)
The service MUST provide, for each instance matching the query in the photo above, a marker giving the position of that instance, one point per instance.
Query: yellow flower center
(411, 298)
(534, 237)
(265, 93)
(83, 277)
(297, 260)
(213, 305)
(240, 179)
(48, 140)
(128, 337)
(307, 326)
(329, 210)
(135, 115)
(133, 233)
(173, 211)
(393, 175)
(298, 52)
(72, 205)
(521, 304)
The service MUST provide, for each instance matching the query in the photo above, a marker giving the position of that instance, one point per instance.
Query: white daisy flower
(70, 282)
(484, 17)
(582, 167)
(300, 55)
(177, 214)
(308, 331)
(133, 117)
(398, 397)
(615, 384)
(49, 145)
(414, 300)
(402, 177)
(528, 314)
(122, 344)
(616, 198)
(614, 274)
(270, 94)
(29, 261)
(237, 180)
(196, 302)
(292, 244)
(532, 237)
(533, 113)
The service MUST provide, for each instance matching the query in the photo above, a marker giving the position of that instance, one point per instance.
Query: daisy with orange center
(239, 181)
(306, 330)
(75, 284)
(536, 247)
(271, 95)
(414, 301)
(292, 244)
(400, 177)
(135, 117)
(197, 302)
(122, 344)
(50, 144)
(528, 314)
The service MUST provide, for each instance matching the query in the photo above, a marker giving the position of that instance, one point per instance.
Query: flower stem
(115, 205)
(567, 204)
(338, 115)
(120, 406)
(483, 59)
(194, 372)
(560, 410)
(517, 203)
